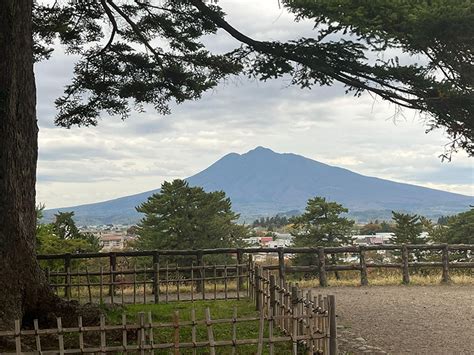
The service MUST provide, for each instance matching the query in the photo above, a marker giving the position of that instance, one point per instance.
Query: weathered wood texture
(284, 316)
(154, 285)
(203, 272)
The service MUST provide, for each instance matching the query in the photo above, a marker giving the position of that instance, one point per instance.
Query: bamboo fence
(285, 315)
(443, 254)
(151, 285)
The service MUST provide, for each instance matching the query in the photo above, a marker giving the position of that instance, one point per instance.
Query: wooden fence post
(323, 281)
(363, 267)
(156, 277)
(445, 259)
(294, 318)
(156, 282)
(200, 286)
(18, 336)
(332, 325)
(281, 264)
(272, 296)
(210, 332)
(113, 268)
(67, 278)
(240, 272)
(257, 283)
(405, 271)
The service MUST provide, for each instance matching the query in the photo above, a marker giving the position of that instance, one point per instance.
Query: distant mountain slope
(262, 182)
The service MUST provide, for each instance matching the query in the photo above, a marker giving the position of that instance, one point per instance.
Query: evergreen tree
(321, 225)
(458, 229)
(134, 53)
(184, 217)
(407, 230)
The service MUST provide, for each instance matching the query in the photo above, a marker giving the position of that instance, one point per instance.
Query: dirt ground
(408, 319)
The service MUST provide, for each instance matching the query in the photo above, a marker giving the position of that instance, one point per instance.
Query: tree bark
(23, 288)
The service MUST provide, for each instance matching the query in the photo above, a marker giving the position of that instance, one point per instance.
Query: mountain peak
(260, 150)
(262, 182)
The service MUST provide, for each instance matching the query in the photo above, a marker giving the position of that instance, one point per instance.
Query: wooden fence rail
(407, 259)
(309, 320)
(304, 323)
(157, 284)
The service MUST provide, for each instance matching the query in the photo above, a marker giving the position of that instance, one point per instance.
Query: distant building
(114, 241)
(369, 239)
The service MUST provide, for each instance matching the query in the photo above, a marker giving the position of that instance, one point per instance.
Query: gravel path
(406, 319)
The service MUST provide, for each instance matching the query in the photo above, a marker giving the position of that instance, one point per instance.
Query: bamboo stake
(78, 286)
(60, 336)
(68, 282)
(144, 285)
(122, 286)
(177, 280)
(166, 281)
(124, 332)
(141, 339)
(294, 310)
(88, 285)
(156, 288)
(150, 331)
(202, 276)
(103, 342)
(271, 321)
(332, 325)
(225, 281)
(261, 325)
(309, 330)
(111, 285)
(37, 337)
(176, 332)
(18, 336)
(81, 333)
(238, 278)
(134, 284)
(215, 282)
(192, 282)
(210, 332)
(101, 280)
(234, 331)
(193, 329)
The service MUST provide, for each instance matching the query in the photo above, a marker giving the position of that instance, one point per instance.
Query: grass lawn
(220, 309)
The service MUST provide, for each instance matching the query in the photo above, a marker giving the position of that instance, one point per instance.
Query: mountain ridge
(262, 182)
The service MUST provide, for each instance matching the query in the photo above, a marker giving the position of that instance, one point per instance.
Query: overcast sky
(84, 165)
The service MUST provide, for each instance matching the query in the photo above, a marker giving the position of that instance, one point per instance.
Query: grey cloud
(119, 158)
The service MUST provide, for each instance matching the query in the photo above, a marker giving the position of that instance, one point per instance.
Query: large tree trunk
(23, 288)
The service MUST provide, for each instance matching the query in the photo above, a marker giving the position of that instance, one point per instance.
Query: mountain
(262, 182)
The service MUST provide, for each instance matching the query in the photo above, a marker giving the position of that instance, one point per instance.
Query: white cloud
(121, 158)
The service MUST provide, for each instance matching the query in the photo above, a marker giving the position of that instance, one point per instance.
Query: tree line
(187, 217)
(132, 54)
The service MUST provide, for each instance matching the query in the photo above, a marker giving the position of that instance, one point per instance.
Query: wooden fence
(304, 323)
(307, 319)
(156, 284)
(407, 261)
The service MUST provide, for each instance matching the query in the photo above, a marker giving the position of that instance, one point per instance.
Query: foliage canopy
(321, 225)
(184, 217)
(63, 236)
(134, 53)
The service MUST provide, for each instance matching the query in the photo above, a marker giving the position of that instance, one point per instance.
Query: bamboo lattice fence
(285, 316)
(442, 258)
(151, 285)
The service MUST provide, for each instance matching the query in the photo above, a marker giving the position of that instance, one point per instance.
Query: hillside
(262, 182)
